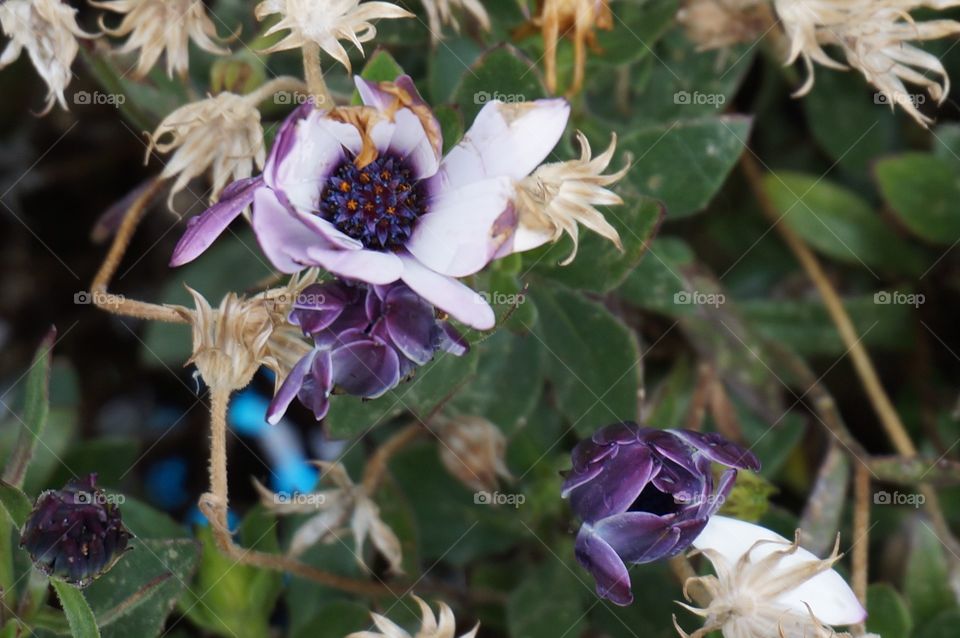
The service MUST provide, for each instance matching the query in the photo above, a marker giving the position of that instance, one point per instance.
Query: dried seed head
(472, 449)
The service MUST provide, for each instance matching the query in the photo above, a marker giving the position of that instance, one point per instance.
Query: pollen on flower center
(377, 204)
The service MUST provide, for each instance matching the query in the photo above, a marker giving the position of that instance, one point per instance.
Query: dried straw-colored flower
(717, 24)
(326, 23)
(222, 133)
(472, 449)
(48, 30)
(441, 13)
(345, 508)
(559, 196)
(155, 26)
(444, 625)
(875, 36)
(581, 19)
(231, 342)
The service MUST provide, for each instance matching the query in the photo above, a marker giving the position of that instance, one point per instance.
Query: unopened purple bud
(75, 533)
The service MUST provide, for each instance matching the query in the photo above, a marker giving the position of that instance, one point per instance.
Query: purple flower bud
(645, 494)
(367, 339)
(75, 533)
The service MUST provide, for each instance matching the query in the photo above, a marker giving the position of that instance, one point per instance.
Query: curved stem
(862, 363)
(377, 465)
(861, 532)
(276, 85)
(118, 304)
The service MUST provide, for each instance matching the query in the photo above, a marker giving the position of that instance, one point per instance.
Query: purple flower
(364, 193)
(645, 494)
(367, 339)
(75, 533)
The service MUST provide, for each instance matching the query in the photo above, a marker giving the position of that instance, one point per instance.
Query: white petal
(827, 594)
(456, 237)
(448, 294)
(505, 140)
(319, 147)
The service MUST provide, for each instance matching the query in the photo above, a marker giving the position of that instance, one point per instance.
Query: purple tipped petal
(283, 238)
(203, 229)
(598, 558)
(410, 323)
(315, 392)
(452, 341)
(719, 450)
(639, 537)
(611, 492)
(448, 294)
(283, 142)
(289, 388)
(366, 368)
(626, 432)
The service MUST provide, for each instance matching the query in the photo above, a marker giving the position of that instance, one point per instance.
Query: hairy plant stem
(314, 74)
(118, 304)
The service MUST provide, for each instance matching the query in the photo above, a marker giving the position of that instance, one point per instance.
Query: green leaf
(678, 82)
(887, 613)
(213, 602)
(846, 121)
(941, 626)
(593, 360)
(927, 579)
(805, 326)
(839, 224)
(684, 163)
(136, 596)
(599, 266)
(548, 602)
(82, 622)
(637, 25)
(508, 382)
(659, 276)
(922, 190)
(36, 408)
(16, 504)
(825, 504)
(451, 125)
(452, 525)
(335, 620)
(502, 73)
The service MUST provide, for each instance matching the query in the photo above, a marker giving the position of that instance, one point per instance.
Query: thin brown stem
(118, 304)
(862, 363)
(376, 467)
(684, 571)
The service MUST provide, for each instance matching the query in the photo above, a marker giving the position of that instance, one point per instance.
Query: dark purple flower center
(654, 501)
(377, 204)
